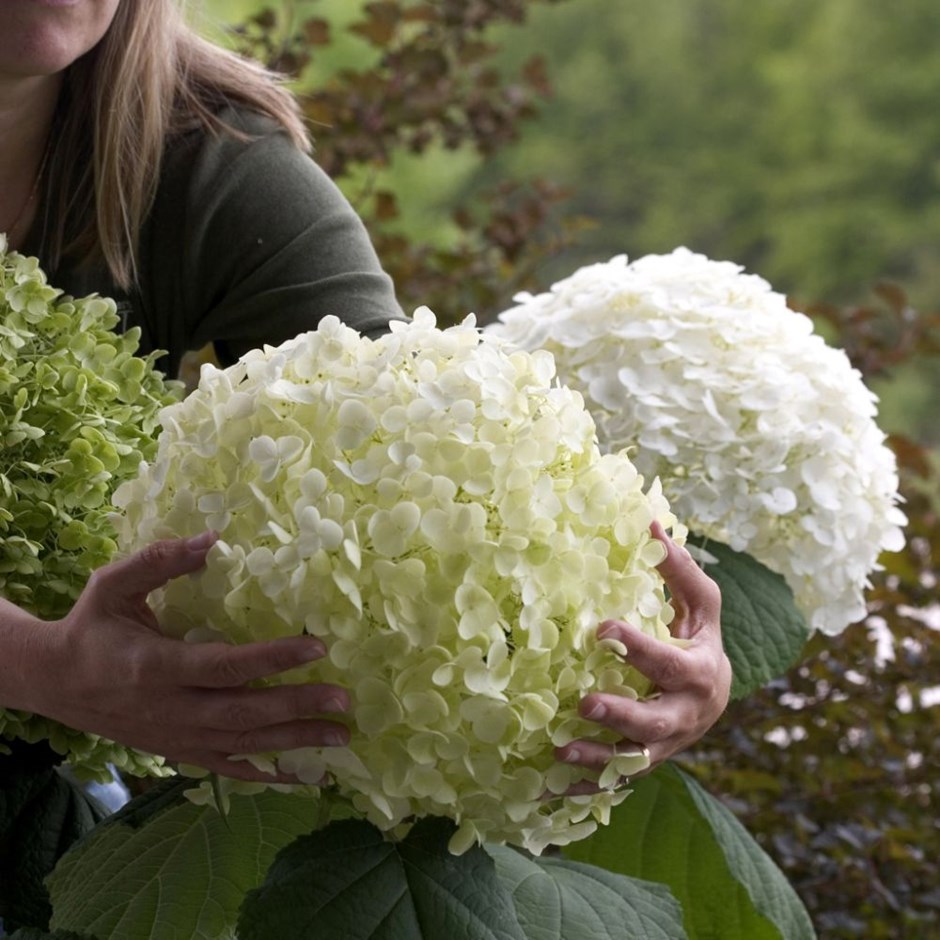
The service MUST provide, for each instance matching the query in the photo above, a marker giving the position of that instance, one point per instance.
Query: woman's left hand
(694, 682)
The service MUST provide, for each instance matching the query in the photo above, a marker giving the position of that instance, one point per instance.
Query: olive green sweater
(248, 242)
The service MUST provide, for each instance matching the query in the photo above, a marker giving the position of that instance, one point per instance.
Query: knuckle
(140, 666)
(224, 669)
(671, 670)
(659, 729)
(247, 742)
(701, 686)
(240, 716)
(709, 671)
(292, 702)
(713, 668)
(709, 588)
(156, 554)
(98, 580)
(682, 564)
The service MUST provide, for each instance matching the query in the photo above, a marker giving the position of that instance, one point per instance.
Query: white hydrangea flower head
(764, 437)
(433, 505)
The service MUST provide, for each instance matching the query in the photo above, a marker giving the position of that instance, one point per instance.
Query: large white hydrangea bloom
(763, 436)
(436, 508)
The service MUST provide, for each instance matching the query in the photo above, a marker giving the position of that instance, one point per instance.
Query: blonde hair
(150, 78)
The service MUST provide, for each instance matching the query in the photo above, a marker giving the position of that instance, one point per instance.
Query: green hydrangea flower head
(435, 507)
(78, 413)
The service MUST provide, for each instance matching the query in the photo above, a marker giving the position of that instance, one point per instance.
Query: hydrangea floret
(435, 507)
(78, 412)
(764, 437)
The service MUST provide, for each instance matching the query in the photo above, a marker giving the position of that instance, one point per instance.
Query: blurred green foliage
(799, 139)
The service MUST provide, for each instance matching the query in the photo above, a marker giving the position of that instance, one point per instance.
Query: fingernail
(334, 705)
(335, 738)
(571, 756)
(594, 712)
(314, 649)
(204, 540)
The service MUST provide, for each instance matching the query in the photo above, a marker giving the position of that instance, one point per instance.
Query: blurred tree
(799, 139)
(423, 82)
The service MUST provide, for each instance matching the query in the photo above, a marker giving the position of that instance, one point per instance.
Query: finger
(285, 737)
(695, 596)
(135, 577)
(665, 665)
(594, 754)
(589, 788)
(246, 709)
(648, 722)
(223, 665)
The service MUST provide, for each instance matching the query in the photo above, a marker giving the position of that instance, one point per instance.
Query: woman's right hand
(107, 669)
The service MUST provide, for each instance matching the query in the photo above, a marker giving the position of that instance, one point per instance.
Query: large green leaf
(41, 814)
(347, 882)
(560, 900)
(762, 629)
(166, 869)
(34, 933)
(672, 831)
(157, 798)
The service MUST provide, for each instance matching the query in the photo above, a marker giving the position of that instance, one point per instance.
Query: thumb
(150, 568)
(695, 597)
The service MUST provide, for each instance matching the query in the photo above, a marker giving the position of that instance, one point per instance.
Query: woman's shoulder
(244, 162)
(232, 130)
(243, 215)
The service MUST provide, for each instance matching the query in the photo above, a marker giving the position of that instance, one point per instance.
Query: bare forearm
(23, 651)
(106, 668)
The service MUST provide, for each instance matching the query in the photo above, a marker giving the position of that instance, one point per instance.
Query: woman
(138, 161)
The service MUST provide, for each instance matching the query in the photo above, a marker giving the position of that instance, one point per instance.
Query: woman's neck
(27, 106)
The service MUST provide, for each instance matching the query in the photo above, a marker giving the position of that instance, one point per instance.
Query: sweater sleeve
(249, 242)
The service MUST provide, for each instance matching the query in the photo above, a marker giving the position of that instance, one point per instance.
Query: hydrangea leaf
(762, 629)
(169, 870)
(672, 831)
(161, 796)
(557, 899)
(348, 881)
(41, 814)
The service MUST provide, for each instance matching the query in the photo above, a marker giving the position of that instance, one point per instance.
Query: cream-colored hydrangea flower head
(435, 507)
(763, 436)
